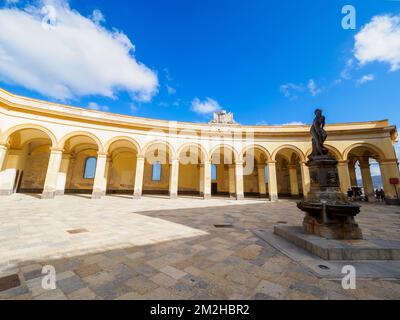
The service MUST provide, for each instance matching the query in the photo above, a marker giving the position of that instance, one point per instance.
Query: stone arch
(372, 147)
(194, 144)
(236, 157)
(291, 147)
(258, 147)
(7, 134)
(155, 142)
(70, 135)
(121, 138)
(330, 148)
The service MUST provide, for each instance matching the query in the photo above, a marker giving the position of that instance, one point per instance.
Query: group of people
(380, 195)
(355, 194)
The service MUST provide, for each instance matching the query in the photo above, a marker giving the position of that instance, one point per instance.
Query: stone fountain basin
(344, 210)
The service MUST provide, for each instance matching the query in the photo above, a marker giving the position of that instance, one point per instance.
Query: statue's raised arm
(318, 134)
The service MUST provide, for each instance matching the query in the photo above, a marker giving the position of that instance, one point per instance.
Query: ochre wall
(34, 174)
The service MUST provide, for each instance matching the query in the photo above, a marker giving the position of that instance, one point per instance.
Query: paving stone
(87, 270)
(271, 289)
(70, 285)
(163, 280)
(173, 272)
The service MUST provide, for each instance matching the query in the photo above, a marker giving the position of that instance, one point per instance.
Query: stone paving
(156, 248)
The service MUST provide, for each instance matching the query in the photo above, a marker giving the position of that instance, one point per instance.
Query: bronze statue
(319, 135)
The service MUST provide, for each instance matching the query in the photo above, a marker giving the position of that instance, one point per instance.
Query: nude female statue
(319, 135)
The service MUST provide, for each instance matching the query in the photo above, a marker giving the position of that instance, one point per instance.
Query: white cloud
(313, 88)
(170, 89)
(205, 107)
(379, 40)
(365, 78)
(293, 123)
(73, 58)
(97, 16)
(133, 108)
(95, 106)
(289, 90)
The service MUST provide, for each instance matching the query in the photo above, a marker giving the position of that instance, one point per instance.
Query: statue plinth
(328, 212)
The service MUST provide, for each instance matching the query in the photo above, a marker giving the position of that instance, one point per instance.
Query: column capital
(272, 162)
(102, 154)
(292, 166)
(56, 150)
(343, 162)
(4, 146)
(239, 163)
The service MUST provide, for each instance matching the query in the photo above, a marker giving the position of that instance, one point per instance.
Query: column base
(48, 195)
(98, 195)
(6, 192)
(60, 192)
(240, 197)
(137, 196)
(273, 198)
(207, 196)
(173, 196)
(232, 196)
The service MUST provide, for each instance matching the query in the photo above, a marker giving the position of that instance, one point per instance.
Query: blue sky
(269, 62)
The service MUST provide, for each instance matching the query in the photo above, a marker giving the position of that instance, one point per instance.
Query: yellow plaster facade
(44, 148)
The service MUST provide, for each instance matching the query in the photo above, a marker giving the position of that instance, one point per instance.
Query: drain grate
(323, 267)
(77, 231)
(9, 282)
(223, 225)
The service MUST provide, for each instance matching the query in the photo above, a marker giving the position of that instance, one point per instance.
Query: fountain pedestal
(328, 212)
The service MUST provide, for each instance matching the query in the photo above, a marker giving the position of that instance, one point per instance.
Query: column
(62, 175)
(389, 170)
(139, 177)
(3, 153)
(344, 176)
(261, 180)
(239, 181)
(100, 179)
(305, 178)
(4, 189)
(173, 179)
(53, 168)
(201, 180)
(352, 173)
(368, 184)
(294, 184)
(231, 181)
(207, 179)
(272, 181)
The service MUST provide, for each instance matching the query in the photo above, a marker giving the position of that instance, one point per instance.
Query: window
(90, 168)
(156, 175)
(213, 172)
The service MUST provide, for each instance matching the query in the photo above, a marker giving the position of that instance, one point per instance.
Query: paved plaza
(157, 248)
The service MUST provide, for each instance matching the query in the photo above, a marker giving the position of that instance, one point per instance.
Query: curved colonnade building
(54, 149)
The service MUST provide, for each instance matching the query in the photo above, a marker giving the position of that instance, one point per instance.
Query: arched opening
(78, 165)
(157, 169)
(122, 167)
(223, 171)
(288, 173)
(26, 162)
(365, 174)
(191, 171)
(255, 173)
